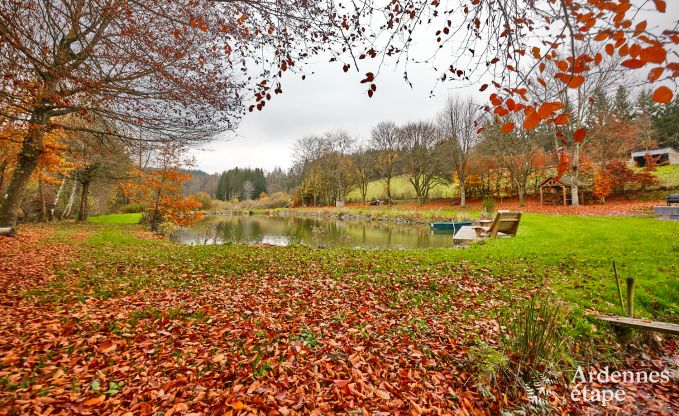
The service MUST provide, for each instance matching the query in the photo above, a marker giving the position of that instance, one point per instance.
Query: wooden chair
(505, 224)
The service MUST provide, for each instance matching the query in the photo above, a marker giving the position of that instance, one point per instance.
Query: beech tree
(422, 158)
(520, 153)
(459, 125)
(384, 139)
(159, 71)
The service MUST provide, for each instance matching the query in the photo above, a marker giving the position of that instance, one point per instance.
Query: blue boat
(453, 226)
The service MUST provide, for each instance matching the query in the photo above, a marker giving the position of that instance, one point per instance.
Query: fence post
(630, 297)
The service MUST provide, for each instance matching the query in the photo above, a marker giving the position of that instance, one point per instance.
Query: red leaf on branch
(655, 54)
(662, 95)
(531, 121)
(655, 73)
(507, 127)
(579, 135)
(633, 63)
(660, 5)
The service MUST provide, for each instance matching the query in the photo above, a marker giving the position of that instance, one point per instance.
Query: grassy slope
(402, 189)
(668, 175)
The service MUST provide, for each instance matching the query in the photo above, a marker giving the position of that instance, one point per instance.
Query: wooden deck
(664, 327)
(466, 234)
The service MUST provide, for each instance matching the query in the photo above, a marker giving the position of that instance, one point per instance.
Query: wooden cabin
(557, 191)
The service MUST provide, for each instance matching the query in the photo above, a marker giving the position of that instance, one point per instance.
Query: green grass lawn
(131, 218)
(667, 175)
(569, 254)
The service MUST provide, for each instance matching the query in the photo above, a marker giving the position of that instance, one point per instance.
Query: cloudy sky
(327, 100)
(330, 99)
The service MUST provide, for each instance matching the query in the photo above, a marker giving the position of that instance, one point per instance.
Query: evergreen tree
(622, 107)
(666, 123)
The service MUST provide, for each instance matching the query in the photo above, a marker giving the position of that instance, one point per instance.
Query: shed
(557, 191)
(663, 156)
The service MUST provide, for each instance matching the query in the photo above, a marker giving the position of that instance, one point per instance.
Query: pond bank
(386, 215)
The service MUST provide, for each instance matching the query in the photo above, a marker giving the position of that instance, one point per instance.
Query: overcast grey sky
(327, 100)
(330, 99)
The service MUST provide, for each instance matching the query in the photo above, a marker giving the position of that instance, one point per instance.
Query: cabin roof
(561, 182)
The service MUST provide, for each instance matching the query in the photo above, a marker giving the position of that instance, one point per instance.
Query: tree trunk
(575, 189)
(29, 156)
(521, 190)
(389, 190)
(69, 204)
(463, 191)
(83, 213)
(43, 203)
(53, 205)
(2, 178)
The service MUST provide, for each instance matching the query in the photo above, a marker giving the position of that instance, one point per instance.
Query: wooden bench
(505, 224)
(643, 324)
(8, 231)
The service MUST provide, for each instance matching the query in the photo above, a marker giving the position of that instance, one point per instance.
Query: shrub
(166, 228)
(204, 199)
(132, 207)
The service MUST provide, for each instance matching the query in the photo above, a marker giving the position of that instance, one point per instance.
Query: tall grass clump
(532, 353)
(488, 204)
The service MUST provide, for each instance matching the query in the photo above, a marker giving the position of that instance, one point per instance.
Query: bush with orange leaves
(160, 191)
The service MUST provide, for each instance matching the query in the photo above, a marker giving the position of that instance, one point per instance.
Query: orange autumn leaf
(579, 135)
(662, 95)
(633, 63)
(640, 27)
(635, 50)
(562, 65)
(547, 109)
(501, 111)
(601, 36)
(660, 5)
(561, 119)
(536, 52)
(95, 401)
(610, 49)
(531, 121)
(238, 405)
(655, 54)
(655, 73)
(576, 81)
(107, 346)
(507, 127)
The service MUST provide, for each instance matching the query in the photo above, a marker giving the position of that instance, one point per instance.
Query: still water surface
(315, 232)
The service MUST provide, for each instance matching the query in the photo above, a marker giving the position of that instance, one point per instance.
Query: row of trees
(467, 146)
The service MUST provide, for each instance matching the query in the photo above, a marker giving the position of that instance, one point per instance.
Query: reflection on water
(315, 232)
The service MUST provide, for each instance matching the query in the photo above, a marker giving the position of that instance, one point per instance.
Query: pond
(315, 232)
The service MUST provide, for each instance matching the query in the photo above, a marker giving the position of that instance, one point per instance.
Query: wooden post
(630, 297)
(541, 201)
(617, 283)
(564, 195)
